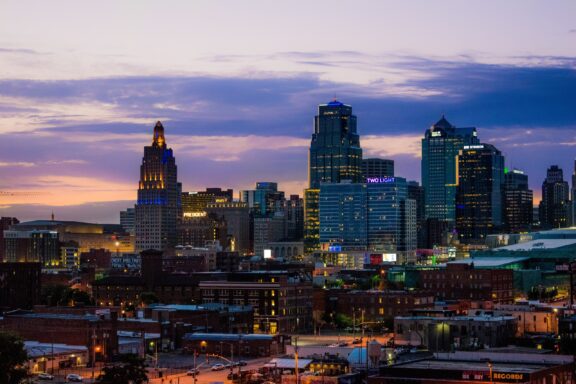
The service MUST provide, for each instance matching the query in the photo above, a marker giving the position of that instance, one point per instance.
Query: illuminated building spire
(158, 140)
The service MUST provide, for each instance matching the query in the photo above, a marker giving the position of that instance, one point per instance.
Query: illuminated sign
(389, 257)
(194, 214)
(335, 248)
(267, 253)
(380, 180)
(436, 134)
(473, 147)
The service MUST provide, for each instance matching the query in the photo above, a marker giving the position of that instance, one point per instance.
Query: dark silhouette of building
(198, 230)
(518, 205)
(377, 168)
(479, 192)
(335, 155)
(159, 206)
(555, 208)
(440, 146)
(20, 285)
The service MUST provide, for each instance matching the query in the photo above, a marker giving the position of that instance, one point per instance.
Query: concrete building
(439, 333)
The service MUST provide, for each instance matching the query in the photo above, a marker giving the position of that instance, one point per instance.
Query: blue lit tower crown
(158, 208)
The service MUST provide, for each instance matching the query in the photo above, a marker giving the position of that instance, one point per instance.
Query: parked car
(45, 376)
(357, 341)
(218, 367)
(241, 363)
(193, 371)
(72, 377)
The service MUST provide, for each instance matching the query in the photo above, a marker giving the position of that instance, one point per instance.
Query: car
(232, 376)
(218, 367)
(241, 363)
(45, 376)
(356, 341)
(72, 377)
(193, 372)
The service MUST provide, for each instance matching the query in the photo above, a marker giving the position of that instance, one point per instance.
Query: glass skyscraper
(335, 155)
(440, 146)
(479, 192)
(555, 209)
(158, 208)
(517, 199)
(343, 210)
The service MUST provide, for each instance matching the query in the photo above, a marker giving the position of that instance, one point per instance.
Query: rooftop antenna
(52, 215)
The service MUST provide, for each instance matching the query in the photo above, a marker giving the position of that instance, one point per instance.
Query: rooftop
(488, 262)
(541, 243)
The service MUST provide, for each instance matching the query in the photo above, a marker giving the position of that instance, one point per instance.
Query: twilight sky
(237, 84)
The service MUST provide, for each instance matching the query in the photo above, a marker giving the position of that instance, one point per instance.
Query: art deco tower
(158, 208)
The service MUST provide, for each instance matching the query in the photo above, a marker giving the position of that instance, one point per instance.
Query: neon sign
(379, 180)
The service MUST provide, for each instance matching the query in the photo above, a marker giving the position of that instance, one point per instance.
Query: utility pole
(296, 359)
(93, 352)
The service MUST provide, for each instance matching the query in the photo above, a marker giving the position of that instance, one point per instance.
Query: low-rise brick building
(239, 345)
(466, 281)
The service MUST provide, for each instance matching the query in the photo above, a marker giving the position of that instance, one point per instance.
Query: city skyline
(76, 109)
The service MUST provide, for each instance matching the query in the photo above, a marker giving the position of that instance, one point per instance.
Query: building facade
(335, 155)
(377, 168)
(479, 192)
(517, 202)
(440, 147)
(555, 208)
(158, 208)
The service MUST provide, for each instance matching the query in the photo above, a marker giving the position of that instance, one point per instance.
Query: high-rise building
(33, 246)
(262, 200)
(391, 215)
(335, 155)
(377, 216)
(237, 217)
(479, 193)
(197, 230)
(343, 215)
(158, 208)
(440, 147)
(555, 208)
(517, 199)
(127, 218)
(194, 203)
(416, 193)
(5, 223)
(373, 168)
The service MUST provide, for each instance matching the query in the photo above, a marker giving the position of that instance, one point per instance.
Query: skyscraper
(555, 208)
(157, 210)
(479, 192)
(440, 146)
(377, 168)
(335, 155)
(517, 199)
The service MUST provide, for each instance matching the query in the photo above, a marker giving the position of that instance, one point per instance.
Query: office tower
(554, 210)
(517, 200)
(194, 203)
(262, 200)
(267, 229)
(335, 155)
(293, 209)
(158, 208)
(377, 168)
(392, 224)
(5, 223)
(127, 219)
(416, 193)
(237, 217)
(440, 147)
(479, 192)
(343, 215)
(198, 230)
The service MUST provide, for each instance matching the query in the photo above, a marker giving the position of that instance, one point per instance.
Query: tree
(148, 298)
(13, 356)
(130, 370)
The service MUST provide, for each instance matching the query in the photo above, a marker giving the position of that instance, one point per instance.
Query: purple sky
(237, 85)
